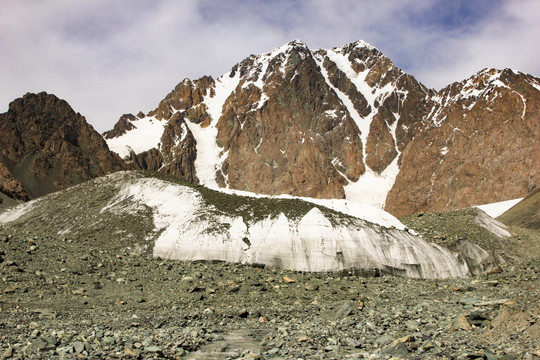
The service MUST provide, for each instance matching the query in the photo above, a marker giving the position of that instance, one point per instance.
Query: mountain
(525, 213)
(46, 146)
(478, 145)
(177, 220)
(344, 123)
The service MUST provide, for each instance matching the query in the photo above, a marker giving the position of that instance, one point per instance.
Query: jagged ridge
(341, 123)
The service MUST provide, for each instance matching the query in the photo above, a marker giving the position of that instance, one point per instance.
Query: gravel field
(72, 298)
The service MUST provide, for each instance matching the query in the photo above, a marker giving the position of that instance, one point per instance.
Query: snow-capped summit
(343, 123)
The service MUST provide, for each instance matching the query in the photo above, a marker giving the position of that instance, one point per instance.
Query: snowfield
(192, 231)
(497, 209)
(146, 135)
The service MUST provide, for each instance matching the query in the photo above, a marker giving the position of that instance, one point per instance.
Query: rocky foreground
(72, 298)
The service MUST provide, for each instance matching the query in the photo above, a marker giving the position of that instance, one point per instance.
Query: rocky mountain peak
(296, 43)
(46, 146)
(124, 124)
(332, 123)
(477, 145)
(33, 117)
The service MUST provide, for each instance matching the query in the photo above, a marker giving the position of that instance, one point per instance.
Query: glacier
(189, 224)
(188, 228)
(190, 232)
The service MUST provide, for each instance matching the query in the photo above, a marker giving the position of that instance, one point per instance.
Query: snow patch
(372, 188)
(224, 86)
(497, 209)
(331, 113)
(145, 136)
(495, 227)
(534, 84)
(362, 211)
(18, 211)
(209, 154)
(365, 211)
(263, 99)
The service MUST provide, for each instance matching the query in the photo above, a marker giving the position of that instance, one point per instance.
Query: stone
(40, 344)
(397, 349)
(130, 352)
(478, 319)
(8, 353)
(311, 286)
(78, 347)
(353, 343)
(344, 310)
(109, 340)
(64, 350)
(244, 313)
(153, 349)
(463, 323)
(385, 339)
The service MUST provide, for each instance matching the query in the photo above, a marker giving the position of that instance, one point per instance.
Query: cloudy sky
(110, 57)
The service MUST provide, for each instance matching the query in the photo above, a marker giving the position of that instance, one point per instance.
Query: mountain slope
(343, 123)
(525, 213)
(185, 222)
(46, 146)
(478, 145)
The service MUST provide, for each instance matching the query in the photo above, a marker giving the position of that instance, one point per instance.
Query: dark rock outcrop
(46, 146)
(123, 125)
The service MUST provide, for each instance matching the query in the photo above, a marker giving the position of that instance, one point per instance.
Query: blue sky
(107, 58)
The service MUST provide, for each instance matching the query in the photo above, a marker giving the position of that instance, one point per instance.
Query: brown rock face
(176, 152)
(524, 214)
(187, 95)
(306, 123)
(293, 142)
(46, 146)
(393, 115)
(285, 127)
(178, 148)
(473, 150)
(121, 127)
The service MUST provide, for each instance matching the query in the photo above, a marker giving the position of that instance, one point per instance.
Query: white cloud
(509, 38)
(107, 58)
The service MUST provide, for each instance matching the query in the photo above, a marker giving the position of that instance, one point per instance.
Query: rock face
(46, 146)
(478, 145)
(344, 123)
(11, 186)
